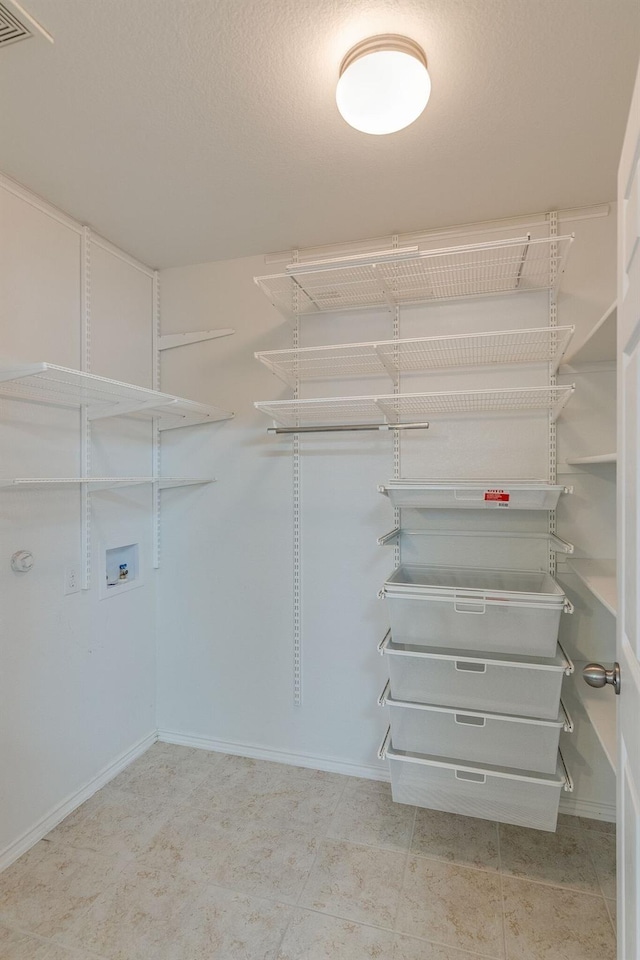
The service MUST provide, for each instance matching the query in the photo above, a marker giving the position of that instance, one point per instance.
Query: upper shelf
(599, 576)
(394, 277)
(414, 407)
(601, 344)
(608, 458)
(393, 357)
(98, 483)
(49, 384)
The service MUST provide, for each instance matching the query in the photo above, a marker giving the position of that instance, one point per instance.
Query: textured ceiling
(191, 130)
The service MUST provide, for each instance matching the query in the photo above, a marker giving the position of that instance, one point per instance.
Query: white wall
(225, 621)
(77, 675)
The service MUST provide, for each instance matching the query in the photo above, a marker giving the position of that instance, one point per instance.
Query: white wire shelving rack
(47, 383)
(391, 358)
(388, 280)
(411, 408)
(394, 277)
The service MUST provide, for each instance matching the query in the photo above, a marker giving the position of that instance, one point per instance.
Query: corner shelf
(599, 577)
(48, 383)
(609, 458)
(415, 407)
(390, 358)
(601, 344)
(96, 484)
(600, 707)
(393, 277)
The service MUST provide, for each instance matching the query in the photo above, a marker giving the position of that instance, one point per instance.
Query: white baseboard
(329, 764)
(572, 806)
(55, 816)
(569, 805)
(576, 807)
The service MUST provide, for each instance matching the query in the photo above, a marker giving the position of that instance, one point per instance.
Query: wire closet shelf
(97, 484)
(393, 357)
(48, 383)
(394, 277)
(415, 407)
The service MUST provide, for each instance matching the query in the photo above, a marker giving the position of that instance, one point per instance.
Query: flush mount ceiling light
(384, 84)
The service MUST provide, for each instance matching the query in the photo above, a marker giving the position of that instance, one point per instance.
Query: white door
(628, 622)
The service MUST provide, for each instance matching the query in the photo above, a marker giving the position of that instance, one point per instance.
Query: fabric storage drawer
(474, 494)
(505, 741)
(496, 611)
(513, 685)
(487, 792)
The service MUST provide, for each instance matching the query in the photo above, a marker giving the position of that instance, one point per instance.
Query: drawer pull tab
(469, 667)
(470, 721)
(469, 606)
(472, 777)
(469, 495)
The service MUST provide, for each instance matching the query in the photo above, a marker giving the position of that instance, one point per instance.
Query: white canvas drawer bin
(474, 494)
(528, 687)
(506, 741)
(519, 797)
(496, 611)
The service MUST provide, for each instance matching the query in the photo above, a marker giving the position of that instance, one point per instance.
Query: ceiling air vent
(16, 24)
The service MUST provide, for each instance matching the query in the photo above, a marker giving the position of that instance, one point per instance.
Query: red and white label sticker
(500, 498)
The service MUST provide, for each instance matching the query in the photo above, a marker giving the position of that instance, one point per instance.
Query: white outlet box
(72, 582)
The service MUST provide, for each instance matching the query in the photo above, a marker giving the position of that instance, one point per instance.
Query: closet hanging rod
(344, 427)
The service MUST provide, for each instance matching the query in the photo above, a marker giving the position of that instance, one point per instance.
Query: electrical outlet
(72, 578)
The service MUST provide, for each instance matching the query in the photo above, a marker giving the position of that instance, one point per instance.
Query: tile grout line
(405, 869)
(296, 905)
(395, 933)
(72, 950)
(593, 863)
(556, 886)
(582, 831)
(502, 904)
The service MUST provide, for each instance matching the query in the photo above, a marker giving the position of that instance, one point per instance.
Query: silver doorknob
(598, 676)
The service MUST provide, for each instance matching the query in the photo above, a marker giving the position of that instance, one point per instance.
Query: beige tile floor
(190, 855)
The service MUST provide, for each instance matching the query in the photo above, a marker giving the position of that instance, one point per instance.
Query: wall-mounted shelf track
(391, 358)
(47, 383)
(599, 576)
(394, 277)
(600, 707)
(411, 407)
(601, 344)
(96, 484)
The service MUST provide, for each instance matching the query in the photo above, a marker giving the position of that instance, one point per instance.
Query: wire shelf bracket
(172, 340)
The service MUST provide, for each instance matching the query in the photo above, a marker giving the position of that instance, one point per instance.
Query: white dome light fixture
(384, 84)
